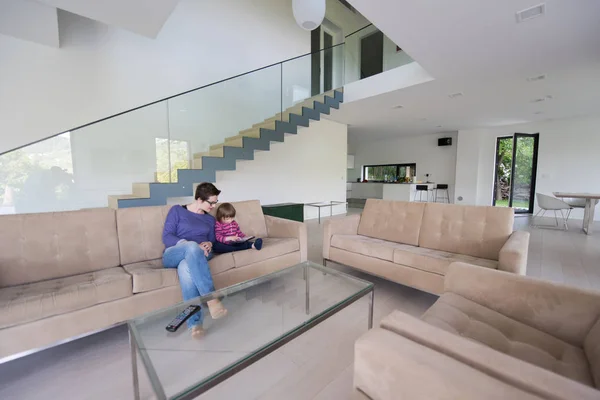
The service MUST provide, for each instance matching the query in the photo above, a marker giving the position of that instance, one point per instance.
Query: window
(171, 155)
(388, 173)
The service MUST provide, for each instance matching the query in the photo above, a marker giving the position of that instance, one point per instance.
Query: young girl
(229, 234)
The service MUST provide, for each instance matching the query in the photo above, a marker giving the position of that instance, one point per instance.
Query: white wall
(439, 161)
(102, 70)
(568, 158)
(307, 167)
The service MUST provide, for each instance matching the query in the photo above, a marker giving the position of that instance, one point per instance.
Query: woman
(188, 235)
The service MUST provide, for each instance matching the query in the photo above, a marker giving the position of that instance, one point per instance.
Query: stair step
(237, 142)
(211, 153)
(252, 132)
(113, 200)
(141, 189)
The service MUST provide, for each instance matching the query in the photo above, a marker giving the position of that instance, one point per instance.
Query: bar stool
(446, 195)
(420, 189)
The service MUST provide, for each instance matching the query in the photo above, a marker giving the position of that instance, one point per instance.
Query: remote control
(182, 317)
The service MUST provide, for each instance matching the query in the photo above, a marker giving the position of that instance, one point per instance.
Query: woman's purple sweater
(184, 224)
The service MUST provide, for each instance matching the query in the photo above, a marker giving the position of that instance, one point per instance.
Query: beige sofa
(69, 273)
(414, 243)
(491, 335)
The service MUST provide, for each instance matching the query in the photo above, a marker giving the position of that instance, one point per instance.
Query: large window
(389, 172)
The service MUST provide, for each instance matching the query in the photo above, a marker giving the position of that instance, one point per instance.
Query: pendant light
(309, 14)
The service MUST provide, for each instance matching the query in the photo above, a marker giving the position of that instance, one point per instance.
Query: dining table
(591, 199)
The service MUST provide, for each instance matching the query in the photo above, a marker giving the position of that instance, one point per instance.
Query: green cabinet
(293, 211)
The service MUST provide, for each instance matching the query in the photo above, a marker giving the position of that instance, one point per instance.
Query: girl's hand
(233, 238)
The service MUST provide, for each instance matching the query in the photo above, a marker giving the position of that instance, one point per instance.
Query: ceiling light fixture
(397, 107)
(439, 126)
(540, 99)
(530, 13)
(455, 95)
(536, 78)
(538, 112)
(309, 14)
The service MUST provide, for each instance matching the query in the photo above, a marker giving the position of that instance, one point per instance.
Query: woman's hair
(225, 210)
(205, 190)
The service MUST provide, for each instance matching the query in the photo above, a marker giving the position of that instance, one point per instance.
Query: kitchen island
(388, 191)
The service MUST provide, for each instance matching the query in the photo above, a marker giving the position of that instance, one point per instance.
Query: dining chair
(549, 203)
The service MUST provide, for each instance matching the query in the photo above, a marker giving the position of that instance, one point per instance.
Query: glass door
(515, 172)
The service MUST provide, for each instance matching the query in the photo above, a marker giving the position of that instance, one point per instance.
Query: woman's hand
(206, 246)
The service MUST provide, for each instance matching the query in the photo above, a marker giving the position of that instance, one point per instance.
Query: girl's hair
(225, 210)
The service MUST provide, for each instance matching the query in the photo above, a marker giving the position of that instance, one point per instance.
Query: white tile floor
(316, 365)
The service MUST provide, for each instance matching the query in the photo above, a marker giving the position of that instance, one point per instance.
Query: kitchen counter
(387, 191)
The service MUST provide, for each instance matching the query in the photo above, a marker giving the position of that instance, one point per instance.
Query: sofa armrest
(513, 255)
(565, 312)
(503, 367)
(338, 226)
(285, 228)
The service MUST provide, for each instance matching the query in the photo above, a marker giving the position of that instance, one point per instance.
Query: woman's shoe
(216, 309)
(197, 331)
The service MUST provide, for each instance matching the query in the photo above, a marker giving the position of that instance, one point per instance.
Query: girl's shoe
(257, 244)
(216, 309)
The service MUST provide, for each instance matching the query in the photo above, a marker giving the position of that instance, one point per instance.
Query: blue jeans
(194, 275)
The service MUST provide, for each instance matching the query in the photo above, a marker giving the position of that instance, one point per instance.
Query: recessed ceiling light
(540, 99)
(397, 107)
(455, 95)
(530, 13)
(439, 126)
(536, 78)
(422, 119)
(538, 112)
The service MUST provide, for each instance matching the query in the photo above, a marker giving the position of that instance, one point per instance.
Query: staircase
(223, 157)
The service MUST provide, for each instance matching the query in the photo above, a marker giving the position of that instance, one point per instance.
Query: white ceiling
(144, 17)
(29, 20)
(37, 21)
(477, 47)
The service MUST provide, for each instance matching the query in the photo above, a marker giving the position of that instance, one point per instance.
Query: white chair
(549, 203)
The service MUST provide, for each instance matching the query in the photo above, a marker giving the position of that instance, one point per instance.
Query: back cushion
(396, 221)
(476, 231)
(250, 217)
(37, 247)
(591, 346)
(140, 233)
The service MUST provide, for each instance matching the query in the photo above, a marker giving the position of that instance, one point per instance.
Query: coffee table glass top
(263, 314)
(325, 203)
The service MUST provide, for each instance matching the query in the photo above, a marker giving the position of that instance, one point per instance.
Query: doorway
(515, 172)
(327, 62)
(371, 55)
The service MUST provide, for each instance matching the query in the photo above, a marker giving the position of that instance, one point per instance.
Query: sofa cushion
(367, 246)
(396, 221)
(436, 261)
(250, 217)
(38, 247)
(152, 275)
(472, 230)
(272, 247)
(33, 301)
(466, 318)
(140, 233)
(591, 347)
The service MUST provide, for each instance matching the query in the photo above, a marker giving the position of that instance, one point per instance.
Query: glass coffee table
(263, 314)
(329, 204)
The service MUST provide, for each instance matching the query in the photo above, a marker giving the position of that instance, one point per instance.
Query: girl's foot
(197, 331)
(216, 309)
(257, 244)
